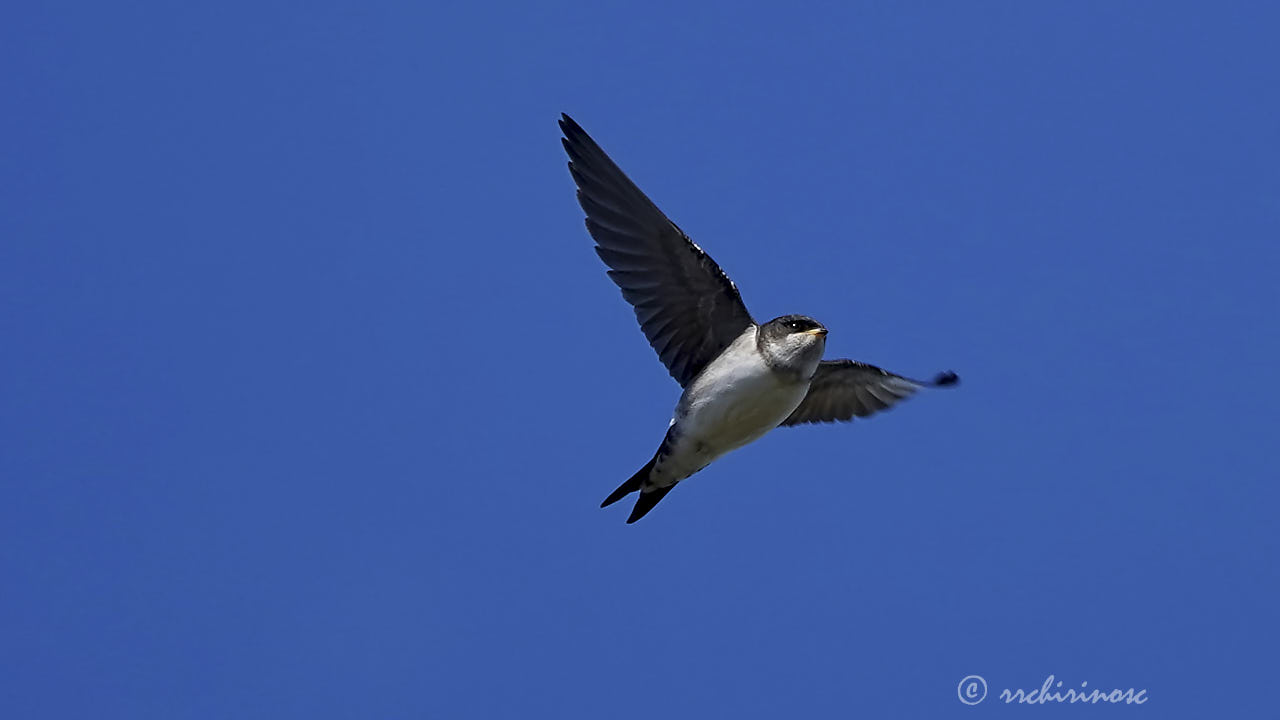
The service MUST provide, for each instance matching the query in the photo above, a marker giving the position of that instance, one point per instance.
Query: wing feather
(688, 309)
(844, 389)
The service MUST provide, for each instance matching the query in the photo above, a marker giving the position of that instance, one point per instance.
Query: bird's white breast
(734, 401)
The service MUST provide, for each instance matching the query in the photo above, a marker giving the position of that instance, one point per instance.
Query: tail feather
(646, 501)
(630, 486)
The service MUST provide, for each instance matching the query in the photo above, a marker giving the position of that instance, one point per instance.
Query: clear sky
(312, 384)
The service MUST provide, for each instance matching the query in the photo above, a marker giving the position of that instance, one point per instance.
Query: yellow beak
(817, 331)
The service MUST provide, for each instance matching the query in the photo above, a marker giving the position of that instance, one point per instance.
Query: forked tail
(648, 496)
(632, 485)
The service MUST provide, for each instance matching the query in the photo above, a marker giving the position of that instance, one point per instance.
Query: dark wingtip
(946, 378)
(568, 126)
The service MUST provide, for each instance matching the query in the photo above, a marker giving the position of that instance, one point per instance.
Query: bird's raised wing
(687, 307)
(843, 389)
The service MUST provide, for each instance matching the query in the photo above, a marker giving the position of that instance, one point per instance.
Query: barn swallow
(740, 379)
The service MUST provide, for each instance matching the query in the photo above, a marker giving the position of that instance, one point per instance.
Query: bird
(740, 379)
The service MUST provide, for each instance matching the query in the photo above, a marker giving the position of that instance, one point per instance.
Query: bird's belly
(741, 413)
(740, 420)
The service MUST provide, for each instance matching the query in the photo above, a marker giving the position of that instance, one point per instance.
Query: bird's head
(793, 342)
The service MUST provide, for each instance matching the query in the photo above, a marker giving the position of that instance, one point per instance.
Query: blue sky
(312, 383)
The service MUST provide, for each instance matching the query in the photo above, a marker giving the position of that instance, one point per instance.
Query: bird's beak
(820, 332)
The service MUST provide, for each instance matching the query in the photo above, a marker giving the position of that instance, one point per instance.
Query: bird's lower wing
(844, 389)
